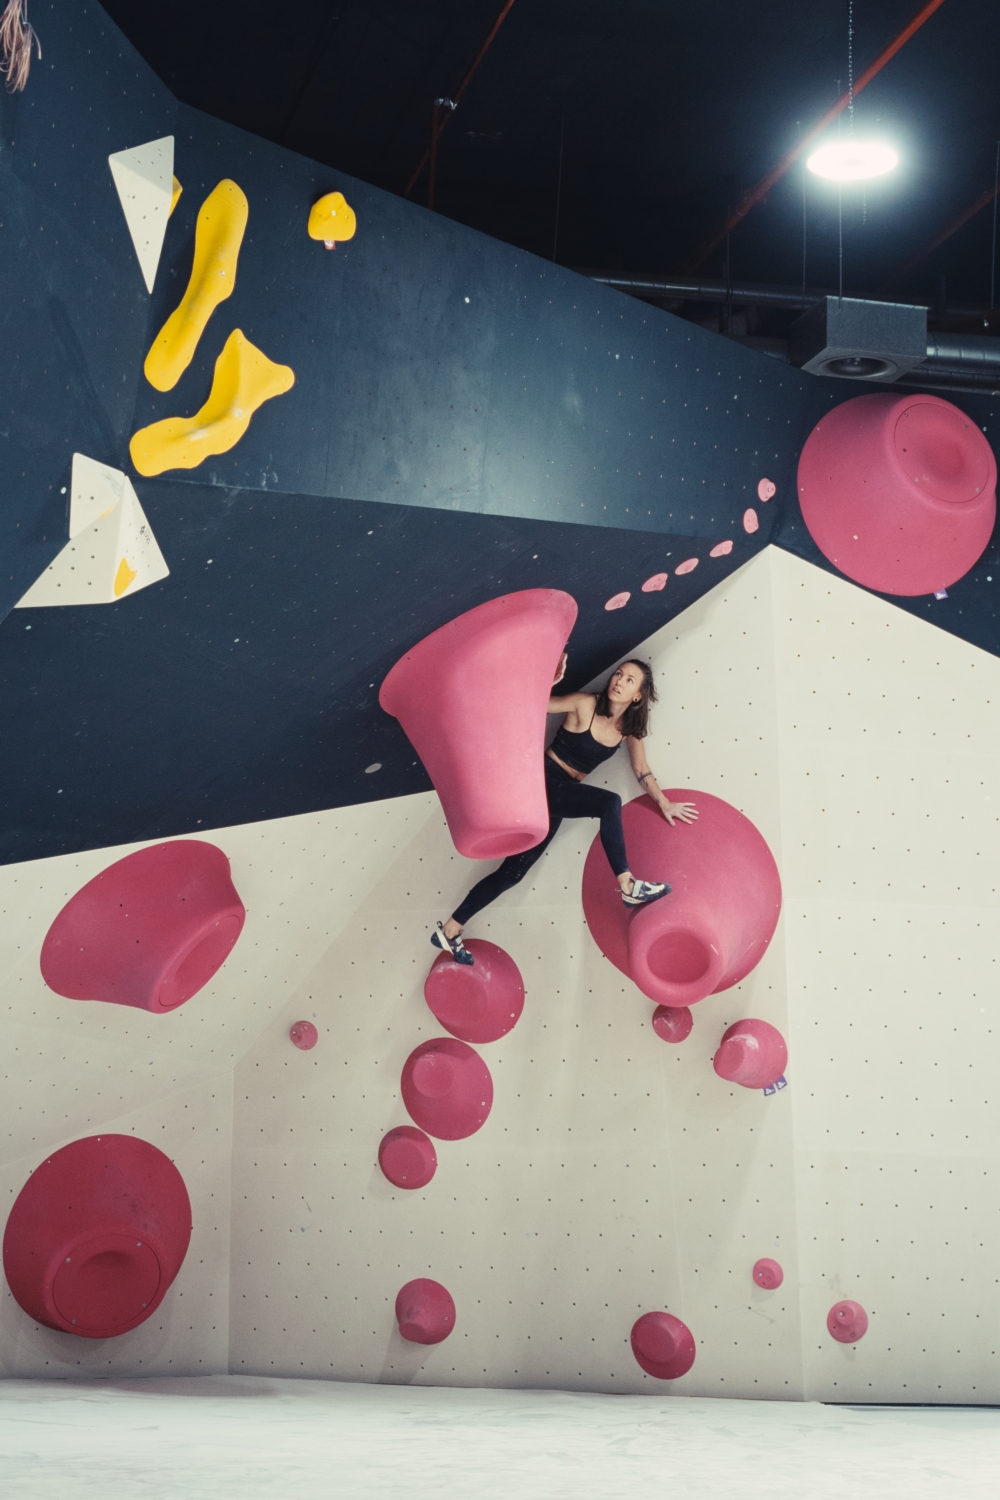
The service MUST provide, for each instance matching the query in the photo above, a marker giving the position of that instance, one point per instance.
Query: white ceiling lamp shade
(849, 160)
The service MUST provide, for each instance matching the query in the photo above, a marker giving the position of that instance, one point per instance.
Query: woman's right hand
(560, 670)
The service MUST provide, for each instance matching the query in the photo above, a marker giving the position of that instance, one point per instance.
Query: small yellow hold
(244, 379)
(331, 219)
(218, 236)
(175, 193)
(123, 578)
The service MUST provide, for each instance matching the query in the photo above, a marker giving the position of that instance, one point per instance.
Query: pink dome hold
(688, 566)
(149, 931)
(750, 521)
(451, 693)
(672, 1023)
(847, 1322)
(715, 925)
(768, 1274)
(765, 490)
(721, 549)
(425, 1311)
(447, 1089)
(655, 584)
(663, 1346)
(899, 492)
(752, 1053)
(304, 1035)
(480, 1002)
(407, 1157)
(618, 601)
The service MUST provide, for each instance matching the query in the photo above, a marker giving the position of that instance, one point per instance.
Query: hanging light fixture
(851, 160)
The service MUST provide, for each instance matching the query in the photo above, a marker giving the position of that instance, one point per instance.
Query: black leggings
(567, 798)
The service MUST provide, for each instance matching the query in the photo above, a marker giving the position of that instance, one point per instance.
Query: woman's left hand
(686, 811)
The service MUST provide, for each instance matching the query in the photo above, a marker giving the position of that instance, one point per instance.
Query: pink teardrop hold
(847, 1322)
(304, 1035)
(672, 1023)
(768, 1274)
(619, 601)
(688, 566)
(655, 584)
(721, 549)
(750, 521)
(765, 490)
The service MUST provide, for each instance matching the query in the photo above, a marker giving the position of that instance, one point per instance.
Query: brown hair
(635, 719)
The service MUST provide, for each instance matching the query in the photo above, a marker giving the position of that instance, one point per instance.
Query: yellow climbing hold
(175, 193)
(332, 219)
(123, 578)
(244, 379)
(218, 235)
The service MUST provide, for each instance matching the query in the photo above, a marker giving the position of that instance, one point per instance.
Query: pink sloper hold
(716, 924)
(304, 1035)
(655, 584)
(721, 549)
(618, 601)
(765, 490)
(750, 521)
(688, 566)
(663, 1346)
(407, 1157)
(447, 1088)
(425, 1311)
(452, 692)
(149, 931)
(752, 1053)
(768, 1274)
(847, 1322)
(899, 492)
(477, 1002)
(672, 1023)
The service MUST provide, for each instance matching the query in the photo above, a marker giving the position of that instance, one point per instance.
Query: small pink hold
(304, 1035)
(721, 549)
(672, 1023)
(407, 1157)
(768, 1274)
(425, 1311)
(663, 1346)
(750, 521)
(655, 584)
(688, 566)
(765, 490)
(618, 602)
(847, 1322)
(752, 1053)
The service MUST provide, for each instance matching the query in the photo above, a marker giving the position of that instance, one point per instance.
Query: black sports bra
(579, 749)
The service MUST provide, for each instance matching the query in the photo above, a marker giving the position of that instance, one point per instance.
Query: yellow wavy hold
(222, 221)
(332, 218)
(175, 192)
(244, 379)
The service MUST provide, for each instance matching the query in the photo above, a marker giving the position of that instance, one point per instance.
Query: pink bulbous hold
(452, 692)
(768, 1274)
(847, 1322)
(672, 1023)
(752, 1053)
(425, 1311)
(899, 492)
(447, 1088)
(477, 1002)
(407, 1157)
(663, 1346)
(304, 1035)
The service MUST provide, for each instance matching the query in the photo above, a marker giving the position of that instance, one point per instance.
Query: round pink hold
(407, 1157)
(847, 1322)
(480, 1002)
(425, 1311)
(750, 521)
(447, 1088)
(752, 1053)
(768, 1274)
(688, 566)
(765, 490)
(304, 1035)
(672, 1023)
(655, 584)
(618, 601)
(721, 549)
(663, 1346)
(899, 492)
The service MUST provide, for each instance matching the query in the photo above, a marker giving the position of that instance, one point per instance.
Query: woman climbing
(594, 726)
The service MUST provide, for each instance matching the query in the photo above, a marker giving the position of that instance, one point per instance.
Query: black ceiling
(668, 111)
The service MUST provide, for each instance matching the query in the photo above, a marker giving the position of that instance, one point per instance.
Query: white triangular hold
(144, 177)
(111, 552)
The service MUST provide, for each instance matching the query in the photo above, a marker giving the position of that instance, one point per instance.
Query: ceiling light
(851, 161)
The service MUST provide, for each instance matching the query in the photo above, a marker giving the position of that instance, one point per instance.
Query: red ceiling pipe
(759, 193)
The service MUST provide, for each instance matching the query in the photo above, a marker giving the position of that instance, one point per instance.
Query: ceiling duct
(854, 340)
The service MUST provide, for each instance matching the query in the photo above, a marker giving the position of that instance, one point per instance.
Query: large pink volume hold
(472, 699)
(149, 931)
(715, 925)
(899, 492)
(96, 1236)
